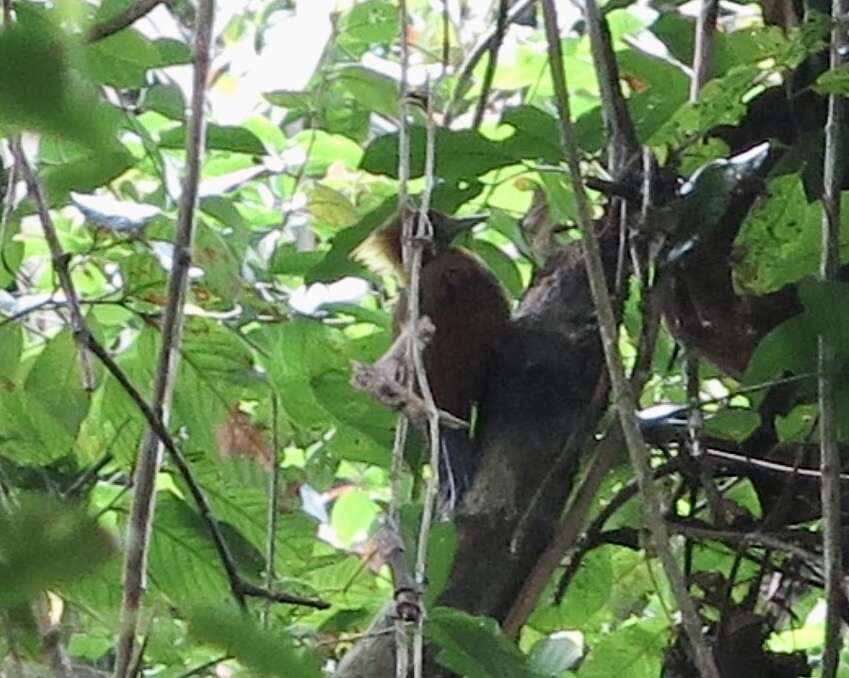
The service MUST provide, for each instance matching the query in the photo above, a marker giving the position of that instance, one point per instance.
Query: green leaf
(331, 207)
(323, 150)
(184, 565)
(366, 24)
(733, 424)
(41, 416)
(265, 652)
(833, 81)
(732, 49)
(633, 651)
(11, 346)
(373, 90)
(338, 263)
(122, 59)
(474, 647)
(588, 593)
(288, 260)
(55, 380)
(499, 263)
(788, 349)
(34, 69)
(720, 103)
(553, 655)
(560, 200)
(166, 99)
(45, 544)
(352, 516)
(12, 250)
(218, 138)
(826, 311)
(294, 101)
(82, 172)
(441, 549)
(219, 254)
(779, 241)
(222, 209)
(172, 52)
(309, 365)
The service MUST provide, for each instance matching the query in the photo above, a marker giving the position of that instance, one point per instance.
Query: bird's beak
(453, 227)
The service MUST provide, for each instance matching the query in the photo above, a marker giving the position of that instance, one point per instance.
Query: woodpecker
(469, 310)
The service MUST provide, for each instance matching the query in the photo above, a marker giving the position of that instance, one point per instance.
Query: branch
(746, 538)
(604, 456)
(238, 587)
(272, 508)
(390, 545)
(705, 31)
(489, 74)
(464, 78)
(245, 588)
(422, 236)
(830, 462)
(383, 380)
(149, 458)
(122, 20)
(59, 258)
(622, 137)
(590, 536)
(402, 640)
(608, 329)
(567, 534)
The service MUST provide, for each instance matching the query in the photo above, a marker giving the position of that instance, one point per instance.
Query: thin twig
(830, 462)
(150, 454)
(466, 70)
(695, 431)
(390, 546)
(58, 256)
(590, 537)
(122, 20)
(402, 639)
(769, 465)
(8, 196)
(623, 396)
(396, 471)
(603, 457)
(91, 472)
(489, 73)
(446, 38)
(273, 490)
(622, 142)
(702, 57)
(566, 535)
(424, 233)
(735, 537)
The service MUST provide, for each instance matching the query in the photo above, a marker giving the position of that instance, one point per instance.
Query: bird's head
(381, 252)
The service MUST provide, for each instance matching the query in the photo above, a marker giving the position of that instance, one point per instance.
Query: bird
(469, 310)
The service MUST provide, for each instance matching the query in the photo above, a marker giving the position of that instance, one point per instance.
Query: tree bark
(543, 380)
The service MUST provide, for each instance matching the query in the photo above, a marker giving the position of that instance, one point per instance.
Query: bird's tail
(456, 465)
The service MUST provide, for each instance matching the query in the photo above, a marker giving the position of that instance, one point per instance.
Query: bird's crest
(380, 252)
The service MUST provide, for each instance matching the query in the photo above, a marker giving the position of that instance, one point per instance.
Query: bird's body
(469, 310)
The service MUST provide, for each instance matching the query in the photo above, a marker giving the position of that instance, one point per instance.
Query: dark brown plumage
(469, 310)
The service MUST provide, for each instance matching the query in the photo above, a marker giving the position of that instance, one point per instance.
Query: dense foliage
(278, 311)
